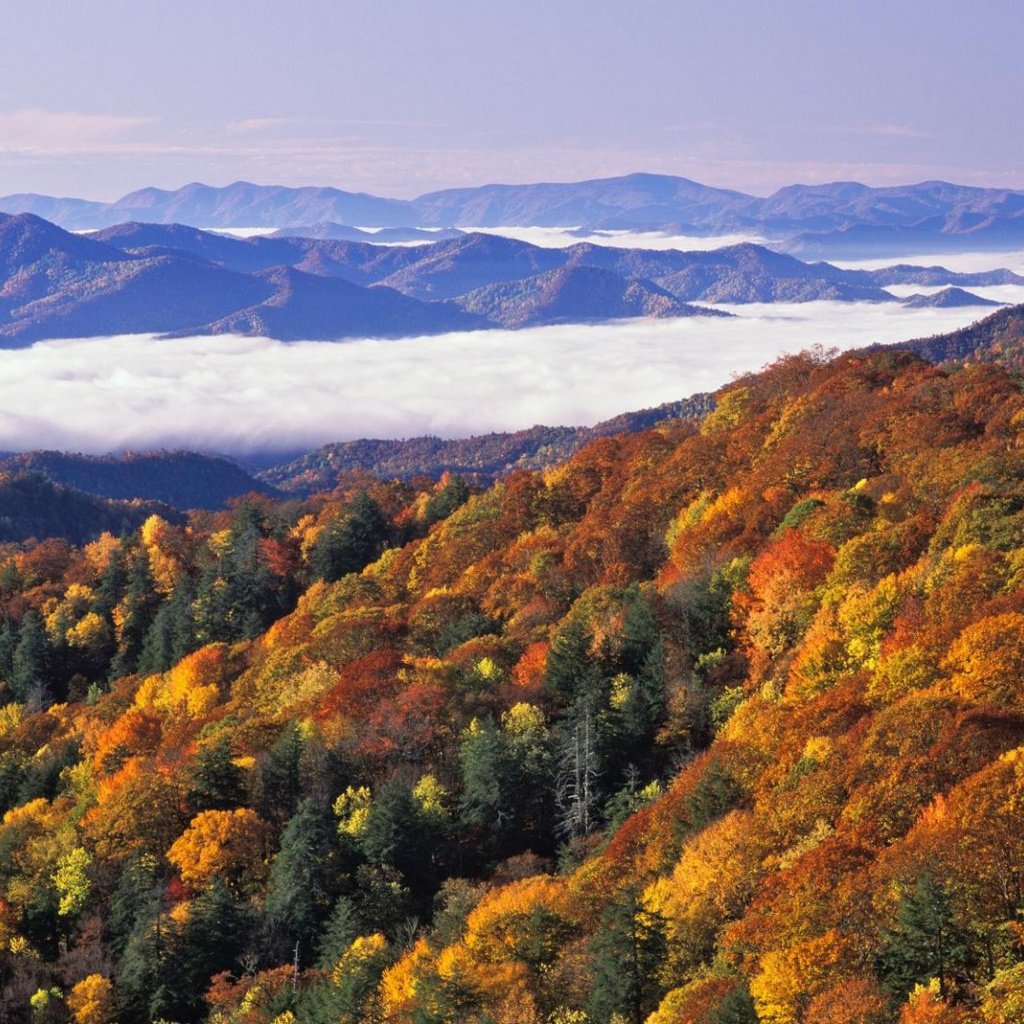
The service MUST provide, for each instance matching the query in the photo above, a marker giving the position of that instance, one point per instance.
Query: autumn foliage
(722, 723)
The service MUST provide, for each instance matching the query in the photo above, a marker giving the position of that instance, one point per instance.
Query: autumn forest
(720, 722)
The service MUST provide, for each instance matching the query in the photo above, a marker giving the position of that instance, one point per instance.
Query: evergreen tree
(571, 671)
(279, 781)
(30, 676)
(215, 782)
(736, 1008)
(8, 645)
(454, 494)
(925, 942)
(172, 634)
(299, 892)
(338, 934)
(137, 611)
(626, 955)
(113, 581)
(354, 540)
(488, 803)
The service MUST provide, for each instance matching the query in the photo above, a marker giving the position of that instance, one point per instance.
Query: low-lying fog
(246, 395)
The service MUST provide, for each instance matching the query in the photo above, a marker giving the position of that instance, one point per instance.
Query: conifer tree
(626, 954)
(925, 942)
(298, 894)
(30, 663)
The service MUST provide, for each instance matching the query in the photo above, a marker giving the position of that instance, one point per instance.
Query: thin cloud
(52, 132)
(251, 394)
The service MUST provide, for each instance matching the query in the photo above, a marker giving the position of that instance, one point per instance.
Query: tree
(216, 783)
(446, 500)
(91, 1001)
(925, 942)
(571, 671)
(351, 541)
(578, 794)
(222, 847)
(30, 675)
(298, 892)
(626, 955)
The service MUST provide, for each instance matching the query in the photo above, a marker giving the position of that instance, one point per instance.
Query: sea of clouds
(254, 395)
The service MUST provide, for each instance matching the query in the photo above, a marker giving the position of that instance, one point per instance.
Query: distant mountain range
(810, 220)
(179, 280)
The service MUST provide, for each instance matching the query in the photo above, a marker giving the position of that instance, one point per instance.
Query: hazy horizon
(405, 98)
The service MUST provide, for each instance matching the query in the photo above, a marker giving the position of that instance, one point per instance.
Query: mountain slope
(574, 295)
(481, 458)
(715, 722)
(33, 506)
(310, 307)
(184, 480)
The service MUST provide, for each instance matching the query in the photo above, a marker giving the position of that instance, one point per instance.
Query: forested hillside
(720, 723)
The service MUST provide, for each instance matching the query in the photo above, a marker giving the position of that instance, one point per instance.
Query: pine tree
(571, 671)
(298, 894)
(350, 543)
(8, 645)
(736, 1008)
(215, 782)
(925, 942)
(30, 675)
(626, 955)
(138, 609)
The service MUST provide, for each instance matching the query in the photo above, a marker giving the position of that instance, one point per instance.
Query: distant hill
(186, 480)
(483, 457)
(33, 506)
(177, 280)
(572, 295)
(838, 218)
(60, 285)
(306, 306)
(946, 299)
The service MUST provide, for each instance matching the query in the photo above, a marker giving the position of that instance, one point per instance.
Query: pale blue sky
(402, 96)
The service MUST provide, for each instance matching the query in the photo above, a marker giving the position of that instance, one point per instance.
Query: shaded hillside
(33, 506)
(947, 298)
(574, 295)
(184, 480)
(998, 338)
(308, 307)
(60, 285)
(717, 722)
(481, 458)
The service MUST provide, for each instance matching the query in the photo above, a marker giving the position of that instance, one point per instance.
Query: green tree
(626, 955)
(137, 608)
(215, 782)
(30, 675)
(299, 891)
(571, 671)
(925, 942)
(454, 494)
(351, 541)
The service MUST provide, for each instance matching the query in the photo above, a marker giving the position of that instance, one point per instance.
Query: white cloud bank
(246, 395)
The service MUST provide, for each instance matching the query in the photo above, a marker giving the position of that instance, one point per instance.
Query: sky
(399, 97)
(252, 395)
